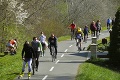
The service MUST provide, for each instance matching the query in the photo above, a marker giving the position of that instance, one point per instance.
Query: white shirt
(42, 38)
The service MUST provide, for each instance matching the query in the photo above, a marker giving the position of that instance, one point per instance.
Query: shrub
(114, 50)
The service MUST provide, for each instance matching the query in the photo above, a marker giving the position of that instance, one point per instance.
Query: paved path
(66, 65)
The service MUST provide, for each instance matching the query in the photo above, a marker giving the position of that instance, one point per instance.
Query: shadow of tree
(105, 64)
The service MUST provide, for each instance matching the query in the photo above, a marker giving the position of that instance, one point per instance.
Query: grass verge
(97, 70)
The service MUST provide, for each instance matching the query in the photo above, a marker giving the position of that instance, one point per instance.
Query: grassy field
(97, 70)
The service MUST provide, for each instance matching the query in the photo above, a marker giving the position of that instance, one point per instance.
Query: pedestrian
(37, 47)
(93, 28)
(98, 26)
(27, 55)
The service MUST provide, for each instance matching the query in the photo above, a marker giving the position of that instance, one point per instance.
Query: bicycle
(53, 53)
(78, 44)
(85, 38)
(72, 36)
(102, 47)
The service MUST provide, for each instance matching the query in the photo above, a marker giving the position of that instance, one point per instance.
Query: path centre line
(45, 77)
(66, 50)
(70, 46)
(62, 55)
(57, 61)
(51, 68)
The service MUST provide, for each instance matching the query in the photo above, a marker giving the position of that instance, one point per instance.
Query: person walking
(37, 47)
(27, 55)
(98, 26)
(93, 28)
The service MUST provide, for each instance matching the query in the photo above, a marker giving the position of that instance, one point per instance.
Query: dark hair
(34, 38)
(26, 43)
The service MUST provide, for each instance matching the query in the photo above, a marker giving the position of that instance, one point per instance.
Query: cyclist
(72, 27)
(43, 42)
(85, 31)
(27, 54)
(52, 41)
(37, 47)
(79, 36)
(109, 21)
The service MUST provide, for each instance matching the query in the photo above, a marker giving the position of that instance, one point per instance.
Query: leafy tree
(114, 50)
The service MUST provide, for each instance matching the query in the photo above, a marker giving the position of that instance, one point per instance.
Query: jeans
(29, 61)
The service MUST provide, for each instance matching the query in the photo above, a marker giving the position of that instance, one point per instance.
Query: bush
(114, 50)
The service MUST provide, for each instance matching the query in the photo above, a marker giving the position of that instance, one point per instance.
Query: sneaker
(21, 74)
(29, 74)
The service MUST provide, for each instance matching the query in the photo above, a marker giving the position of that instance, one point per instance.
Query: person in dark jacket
(93, 28)
(86, 31)
(27, 55)
(52, 41)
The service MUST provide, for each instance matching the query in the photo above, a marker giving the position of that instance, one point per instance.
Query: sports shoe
(29, 74)
(21, 74)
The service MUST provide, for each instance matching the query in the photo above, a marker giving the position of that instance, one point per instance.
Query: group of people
(80, 34)
(36, 48)
(95, 28)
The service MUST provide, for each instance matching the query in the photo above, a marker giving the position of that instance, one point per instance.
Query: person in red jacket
(72, 27)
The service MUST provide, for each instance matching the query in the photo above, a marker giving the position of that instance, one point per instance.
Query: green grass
(10, 66)
(62, 38)
(90, 71)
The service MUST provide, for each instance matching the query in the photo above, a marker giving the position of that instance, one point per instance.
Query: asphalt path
(67, 62)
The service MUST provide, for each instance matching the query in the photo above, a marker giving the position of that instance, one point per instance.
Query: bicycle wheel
(72, 35)
(100, 47)
(85, 38)
(78, 45)
(33, 66)
(53, 53)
